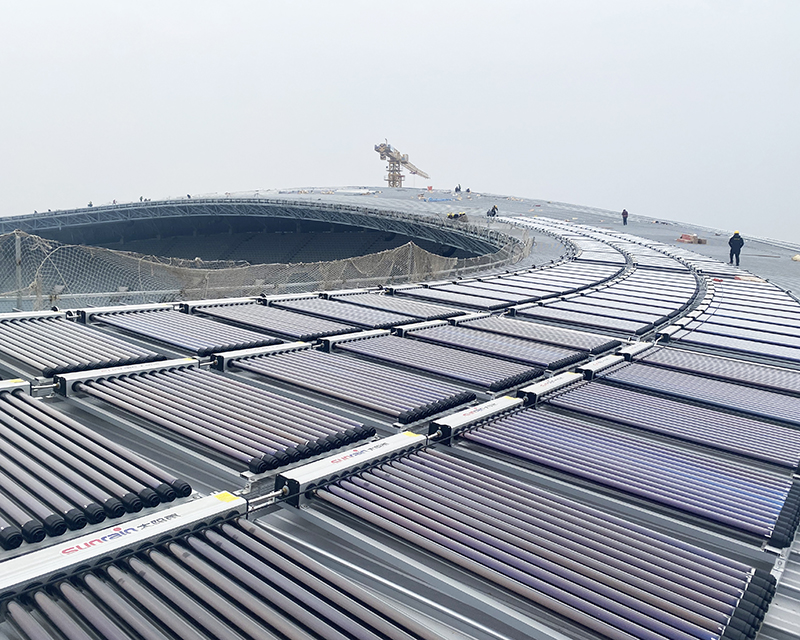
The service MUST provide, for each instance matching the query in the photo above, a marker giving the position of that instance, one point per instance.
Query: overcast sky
(683, 110)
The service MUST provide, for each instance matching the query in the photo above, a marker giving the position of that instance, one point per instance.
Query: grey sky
(683, 110)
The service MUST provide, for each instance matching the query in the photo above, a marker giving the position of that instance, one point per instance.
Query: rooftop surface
(583, 480)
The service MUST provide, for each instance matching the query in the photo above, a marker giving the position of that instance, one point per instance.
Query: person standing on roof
(625, 217)
(736, 242)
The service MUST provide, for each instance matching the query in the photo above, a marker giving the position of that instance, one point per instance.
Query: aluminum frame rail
(51, 344)
(737, 434)
(733, 494)
(286, 324)
(196, 334)
(402, 395)
(382, 302)
(568, 338)
(482, 371)
(715, 393)
(600, 571)
(750, 373)
(234, 581)
(494, 344)
(363, 317)
(58, 474)
(247, 427)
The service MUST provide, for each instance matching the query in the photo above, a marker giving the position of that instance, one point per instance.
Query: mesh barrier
(36, 273)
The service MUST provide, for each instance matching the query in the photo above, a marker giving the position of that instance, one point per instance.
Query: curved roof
(613, 449)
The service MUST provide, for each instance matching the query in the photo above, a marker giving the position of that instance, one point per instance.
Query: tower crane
(397, 161)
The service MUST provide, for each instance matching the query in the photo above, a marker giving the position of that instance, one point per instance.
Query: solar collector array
(607, 574)
(247, 427)
(532, 290)
(477, 369)
(506, 347)
(233, 581)
(420, 310)
(489, 290)
(727, 395)
(613, 296)
(566, 276)
(732, 494)
(193, 333)
(58, 474)
(737, 434)
(52, 344)
(543, 284)
(755, 322)
(623, 308)
(568, 338)
(742, 347)
(276, 321)
(778, 317)
(403, 395)
(585, 304)
(741, 332)
(749, 373)
(365, 317)
(553, 313)
(450, 297)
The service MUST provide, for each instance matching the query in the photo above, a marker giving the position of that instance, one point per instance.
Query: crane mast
(397, 161)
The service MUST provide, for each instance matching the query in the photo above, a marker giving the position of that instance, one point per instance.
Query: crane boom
(397, 160)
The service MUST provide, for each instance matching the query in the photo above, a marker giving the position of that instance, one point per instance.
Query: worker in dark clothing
(735, 243)
(625, 217)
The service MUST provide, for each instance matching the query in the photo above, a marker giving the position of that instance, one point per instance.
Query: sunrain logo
(117, 532)
(359, 452)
